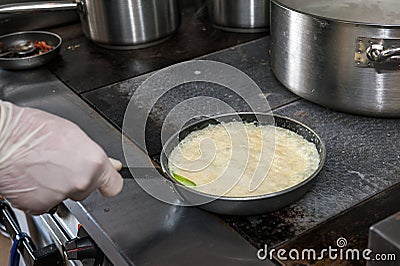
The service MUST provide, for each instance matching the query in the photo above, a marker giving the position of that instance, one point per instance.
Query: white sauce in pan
(237, 160)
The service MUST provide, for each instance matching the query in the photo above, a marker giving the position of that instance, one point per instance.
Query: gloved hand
(45, 159)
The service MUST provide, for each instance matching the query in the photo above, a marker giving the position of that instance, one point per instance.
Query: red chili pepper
(43, 46)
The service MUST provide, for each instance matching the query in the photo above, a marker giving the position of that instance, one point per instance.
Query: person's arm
(45, 159)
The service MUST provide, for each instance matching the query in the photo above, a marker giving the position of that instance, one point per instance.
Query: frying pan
(245, 205)
(32, 61)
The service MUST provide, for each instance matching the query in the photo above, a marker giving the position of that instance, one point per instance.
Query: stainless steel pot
(23, 22)
(30, 60)
(240, 15)
(343, 54)
(117, 24)
(245, 205)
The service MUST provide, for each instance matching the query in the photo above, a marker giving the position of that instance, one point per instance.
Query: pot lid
(375, 12)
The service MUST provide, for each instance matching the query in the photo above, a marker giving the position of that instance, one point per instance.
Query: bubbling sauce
(238, 159)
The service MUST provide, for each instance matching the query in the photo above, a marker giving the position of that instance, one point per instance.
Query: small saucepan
(242, 16)
(253, 204)
(11, 58)
(123, 24)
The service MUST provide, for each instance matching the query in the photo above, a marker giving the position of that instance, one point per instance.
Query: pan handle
(378, 53)
(29, 7)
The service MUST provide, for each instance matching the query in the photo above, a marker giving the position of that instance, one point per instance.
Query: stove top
(132, 228)
(92, 86)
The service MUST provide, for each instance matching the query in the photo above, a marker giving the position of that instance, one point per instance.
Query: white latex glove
(45, 159)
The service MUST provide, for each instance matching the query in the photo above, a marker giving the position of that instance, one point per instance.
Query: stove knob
(83, 248)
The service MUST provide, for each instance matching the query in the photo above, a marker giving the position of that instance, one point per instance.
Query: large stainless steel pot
(240, 15)
(117, 24)
(343, 54)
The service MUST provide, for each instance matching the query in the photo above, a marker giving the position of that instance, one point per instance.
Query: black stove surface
(362, 152)
(350, 226)
(85, 66)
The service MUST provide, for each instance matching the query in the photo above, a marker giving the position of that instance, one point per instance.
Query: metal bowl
(254, 204)
(26, 62)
